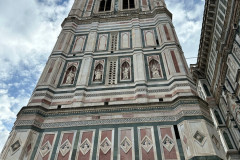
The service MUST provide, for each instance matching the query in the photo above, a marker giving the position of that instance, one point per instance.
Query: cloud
(29, 30)
(187, 19)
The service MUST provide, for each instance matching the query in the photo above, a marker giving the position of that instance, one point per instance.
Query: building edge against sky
(117, 86)
(217, 70)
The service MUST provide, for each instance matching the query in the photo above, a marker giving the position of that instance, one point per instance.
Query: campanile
(116, 86)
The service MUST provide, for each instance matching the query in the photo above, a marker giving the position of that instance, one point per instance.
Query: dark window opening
(106, 103)
(218, 117)
(176, 132)
(206, 90)
(157, 41)
(105, 5)
(160, 99)
(59, 106)
(128, 4)
(154, 47)
(74, 55)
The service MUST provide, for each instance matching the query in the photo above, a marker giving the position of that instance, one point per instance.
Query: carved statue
(155, 71)
(98, 75)
(70, 77)
(125, 73)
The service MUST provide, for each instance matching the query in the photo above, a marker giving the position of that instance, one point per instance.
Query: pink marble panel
(89, 136)
(66, 136)
(128, 134)
(104, 134)
(146, 155)
(172, 154)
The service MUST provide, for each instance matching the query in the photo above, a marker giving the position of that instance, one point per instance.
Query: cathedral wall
(151, 131)
(90, 61)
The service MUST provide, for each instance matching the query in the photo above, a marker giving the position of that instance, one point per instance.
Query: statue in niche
(69, 78)
(125, 75)
(154, 69)
(98, 73)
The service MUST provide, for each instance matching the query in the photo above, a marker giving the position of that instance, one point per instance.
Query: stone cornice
(28, 110)
(118, 16)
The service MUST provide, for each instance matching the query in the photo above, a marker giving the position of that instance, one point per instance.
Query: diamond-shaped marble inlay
(199, 137)
(45, 149)
(126, 144)
(168, 143)
(146, 143)
(65, 147)
(85, 146)
(15, 146)
(105, 145)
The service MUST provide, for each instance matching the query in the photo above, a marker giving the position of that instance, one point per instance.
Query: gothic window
(125, 71)
(154, 69)
(98, 73)
(105, 5)
(114, 37)
(70, 75)
(128, 4)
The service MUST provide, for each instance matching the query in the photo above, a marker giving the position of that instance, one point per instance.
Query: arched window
(105, 5)
(128, 4)
(70, 75)
(98, 71)
(154, 69)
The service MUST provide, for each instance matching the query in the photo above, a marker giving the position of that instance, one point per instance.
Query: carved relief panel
(98, 71)
(125, 69)
(154, 67)
(70, 73)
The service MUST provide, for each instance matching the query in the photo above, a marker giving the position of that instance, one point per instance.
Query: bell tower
(115, 87)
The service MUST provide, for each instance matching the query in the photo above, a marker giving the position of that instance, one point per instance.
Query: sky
(29, 30)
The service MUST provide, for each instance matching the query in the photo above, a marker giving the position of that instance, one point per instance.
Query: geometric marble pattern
(65, 147)
(105, 145)
(85, 146)
(146, 143)
(15, 146)
(168, 143)
(199, 137)
(45, 149)
(126, 144)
